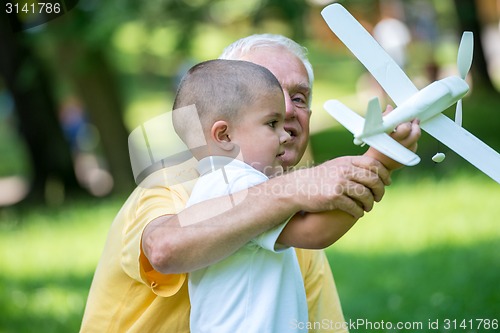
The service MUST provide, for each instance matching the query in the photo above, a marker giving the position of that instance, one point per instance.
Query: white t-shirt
(259, 288)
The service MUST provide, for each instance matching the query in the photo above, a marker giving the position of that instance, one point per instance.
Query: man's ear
(220, 135)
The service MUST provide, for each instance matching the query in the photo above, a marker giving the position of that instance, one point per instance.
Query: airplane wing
(464, 144)
(382, 141)
(376, 60)
(345, 116)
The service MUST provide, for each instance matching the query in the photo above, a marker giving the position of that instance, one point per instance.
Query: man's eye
(299, 100)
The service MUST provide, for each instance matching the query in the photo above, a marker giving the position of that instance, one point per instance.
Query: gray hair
(244, 45)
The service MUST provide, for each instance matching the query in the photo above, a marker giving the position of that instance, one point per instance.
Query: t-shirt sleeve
(150, 204)
(268, 239)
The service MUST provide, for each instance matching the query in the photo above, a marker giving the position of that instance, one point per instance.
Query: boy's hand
(406, 134)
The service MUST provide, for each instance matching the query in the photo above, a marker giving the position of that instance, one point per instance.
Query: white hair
(238, 49)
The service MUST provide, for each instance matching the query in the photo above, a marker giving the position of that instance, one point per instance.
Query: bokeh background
(74, 85)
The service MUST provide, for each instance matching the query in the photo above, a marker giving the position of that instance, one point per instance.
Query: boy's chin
(276, 172)
(289, 160)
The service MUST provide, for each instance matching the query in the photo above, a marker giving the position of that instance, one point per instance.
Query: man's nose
(289, 107)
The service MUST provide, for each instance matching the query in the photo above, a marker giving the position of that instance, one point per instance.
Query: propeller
(464, 62)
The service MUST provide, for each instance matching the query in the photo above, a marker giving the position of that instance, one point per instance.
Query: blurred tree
(36, 110)
(81, 39)
(292, 12)
(84, 62)
(468, 19)
(78, 45)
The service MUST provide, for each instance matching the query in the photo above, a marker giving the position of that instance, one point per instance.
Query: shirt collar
(212, 163)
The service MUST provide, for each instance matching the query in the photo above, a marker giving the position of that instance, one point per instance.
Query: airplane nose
(457, 86)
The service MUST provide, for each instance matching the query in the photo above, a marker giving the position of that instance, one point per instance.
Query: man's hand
(406, 134)
(350, 184)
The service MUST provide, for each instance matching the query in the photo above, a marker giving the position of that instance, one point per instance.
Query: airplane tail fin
(378, 140)
(373, 120)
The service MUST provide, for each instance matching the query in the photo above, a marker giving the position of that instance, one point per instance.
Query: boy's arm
(316, 230)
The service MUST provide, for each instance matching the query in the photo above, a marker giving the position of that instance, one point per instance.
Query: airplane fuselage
(423, 105)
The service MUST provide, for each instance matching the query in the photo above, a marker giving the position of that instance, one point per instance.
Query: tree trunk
(469, 21)
(36, 109)
(94, 80)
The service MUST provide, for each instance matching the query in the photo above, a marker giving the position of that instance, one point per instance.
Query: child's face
(260, 133)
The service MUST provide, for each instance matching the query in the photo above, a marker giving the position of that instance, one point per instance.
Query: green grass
(429, 250)
(48, 256)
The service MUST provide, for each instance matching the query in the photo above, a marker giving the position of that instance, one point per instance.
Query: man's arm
(212, 230)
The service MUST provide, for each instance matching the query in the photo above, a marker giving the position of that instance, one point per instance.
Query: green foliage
(14, 159)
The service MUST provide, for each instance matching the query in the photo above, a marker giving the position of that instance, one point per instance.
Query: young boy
(259, 288)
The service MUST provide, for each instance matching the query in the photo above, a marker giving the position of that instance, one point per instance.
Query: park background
(72, 89)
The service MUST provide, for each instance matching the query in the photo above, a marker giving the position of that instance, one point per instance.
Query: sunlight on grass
(48, 259)
(428, 251)
(49, 243)
(53, 301)
(412, 217)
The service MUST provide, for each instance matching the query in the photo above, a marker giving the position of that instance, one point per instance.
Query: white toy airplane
(426, 104)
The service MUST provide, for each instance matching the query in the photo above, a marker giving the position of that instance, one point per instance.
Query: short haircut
(241, 47)
(220, 89)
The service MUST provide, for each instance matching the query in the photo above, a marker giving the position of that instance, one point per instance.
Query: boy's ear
(220, 135)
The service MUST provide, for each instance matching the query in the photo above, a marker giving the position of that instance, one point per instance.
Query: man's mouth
(292, 132)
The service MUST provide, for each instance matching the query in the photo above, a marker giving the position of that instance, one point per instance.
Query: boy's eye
(272, 123)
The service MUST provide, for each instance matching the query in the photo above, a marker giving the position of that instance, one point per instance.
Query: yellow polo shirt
(128, 295)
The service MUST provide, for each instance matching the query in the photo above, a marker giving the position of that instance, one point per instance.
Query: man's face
(292, 76)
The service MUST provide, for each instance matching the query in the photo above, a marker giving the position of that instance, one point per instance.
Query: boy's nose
(284, 137)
